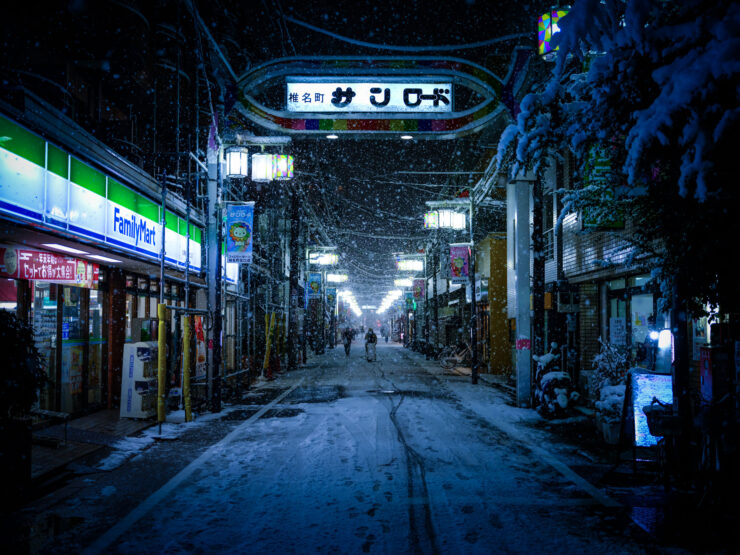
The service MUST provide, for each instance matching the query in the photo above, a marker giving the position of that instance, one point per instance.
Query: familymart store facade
(80, 248)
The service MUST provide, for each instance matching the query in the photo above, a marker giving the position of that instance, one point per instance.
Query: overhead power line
(442, 48)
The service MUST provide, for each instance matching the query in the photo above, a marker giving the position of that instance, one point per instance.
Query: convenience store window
(44, 318)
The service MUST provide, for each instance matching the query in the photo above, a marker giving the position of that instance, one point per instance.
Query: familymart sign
(41, 183)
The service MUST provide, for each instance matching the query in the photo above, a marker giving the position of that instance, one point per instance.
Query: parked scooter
(554, 390)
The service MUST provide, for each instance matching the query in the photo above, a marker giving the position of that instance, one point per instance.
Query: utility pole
(293, 294)
(538, 271)
(473, 303)
(215, 238)
(522, 190)
(427, 350)
(435, 263)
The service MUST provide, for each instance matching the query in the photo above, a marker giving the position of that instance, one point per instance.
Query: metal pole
(427, 352)
(161, 314)
(186, 368)
(436, 298)
(305, 310)
(249, 316)
(473, 304)
(161, 364)
(163, 221)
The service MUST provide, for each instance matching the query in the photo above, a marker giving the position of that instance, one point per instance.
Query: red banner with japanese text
(47, 266)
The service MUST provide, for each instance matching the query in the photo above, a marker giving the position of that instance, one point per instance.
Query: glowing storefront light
(336, 278)
(403, 282)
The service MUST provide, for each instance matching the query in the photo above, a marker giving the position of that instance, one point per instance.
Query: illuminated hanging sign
(390, 96)
(410, 264)
(323, 258)
(372, 96)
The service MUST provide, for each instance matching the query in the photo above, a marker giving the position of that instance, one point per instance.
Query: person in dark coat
(347, 340)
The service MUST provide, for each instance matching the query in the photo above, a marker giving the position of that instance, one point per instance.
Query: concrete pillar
(523, 318)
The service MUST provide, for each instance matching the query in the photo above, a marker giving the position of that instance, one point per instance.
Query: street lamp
(321, 256)
(452, 220)
(237, 159)
(444, 219)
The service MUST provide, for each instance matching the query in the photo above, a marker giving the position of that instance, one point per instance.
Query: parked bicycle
(461, 355)
(718, 459)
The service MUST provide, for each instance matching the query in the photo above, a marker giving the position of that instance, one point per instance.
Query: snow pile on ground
(175, 426)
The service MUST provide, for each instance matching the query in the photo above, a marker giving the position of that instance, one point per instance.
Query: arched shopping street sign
(431, 98)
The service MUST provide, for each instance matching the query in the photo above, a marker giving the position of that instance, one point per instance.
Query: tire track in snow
(418, 502)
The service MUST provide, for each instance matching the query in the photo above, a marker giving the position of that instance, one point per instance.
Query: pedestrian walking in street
(371, 341)
(347, 340)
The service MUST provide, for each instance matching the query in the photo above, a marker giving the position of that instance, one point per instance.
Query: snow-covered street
(348, 456)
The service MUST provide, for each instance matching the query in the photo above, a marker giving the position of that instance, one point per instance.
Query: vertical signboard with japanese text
(459, 260)
(314, 285)
(331, 298)
(239, 231)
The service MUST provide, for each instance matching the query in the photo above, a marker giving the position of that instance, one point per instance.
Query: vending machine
(139, 380)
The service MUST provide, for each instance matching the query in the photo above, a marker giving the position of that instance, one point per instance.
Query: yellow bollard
(186, 368)
(161, 361)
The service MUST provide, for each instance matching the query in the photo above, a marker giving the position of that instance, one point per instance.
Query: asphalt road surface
(345, 456)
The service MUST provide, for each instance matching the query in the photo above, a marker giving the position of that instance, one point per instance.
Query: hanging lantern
(444, 219)
(431, 220)
(283, 167)
(451, 220)
(263, 167)
(237, 160)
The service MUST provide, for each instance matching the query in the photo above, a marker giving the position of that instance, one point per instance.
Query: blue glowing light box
(645, 386)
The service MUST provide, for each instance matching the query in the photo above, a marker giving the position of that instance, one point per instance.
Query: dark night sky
(360, 192)
(354, 184)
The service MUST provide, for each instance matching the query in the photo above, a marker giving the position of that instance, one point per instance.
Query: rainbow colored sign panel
(547, 28)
